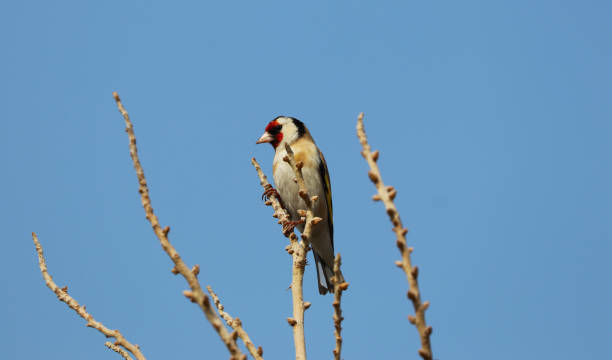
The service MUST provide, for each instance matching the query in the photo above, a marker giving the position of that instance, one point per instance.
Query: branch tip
(62, 295)
(386, 194)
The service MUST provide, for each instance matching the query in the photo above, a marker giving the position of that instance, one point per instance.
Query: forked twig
(236, 324)
(62, 295)
(118, 350)
(196, 294)
(386, 194)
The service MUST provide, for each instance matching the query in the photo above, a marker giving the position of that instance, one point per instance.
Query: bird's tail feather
(325, 273)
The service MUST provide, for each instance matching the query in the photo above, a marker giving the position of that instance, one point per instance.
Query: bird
(289, 130)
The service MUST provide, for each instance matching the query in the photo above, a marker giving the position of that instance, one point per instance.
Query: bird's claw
(269, 191)
(289, 225)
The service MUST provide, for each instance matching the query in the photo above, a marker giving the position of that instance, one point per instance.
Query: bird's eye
(275, 130)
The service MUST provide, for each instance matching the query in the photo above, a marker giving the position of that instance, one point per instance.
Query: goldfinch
(292, 131)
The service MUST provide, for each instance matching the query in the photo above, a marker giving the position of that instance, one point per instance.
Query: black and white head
(283, 129)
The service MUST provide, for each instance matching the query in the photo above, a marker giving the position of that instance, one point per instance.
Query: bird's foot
(289, 225)
(269, 191)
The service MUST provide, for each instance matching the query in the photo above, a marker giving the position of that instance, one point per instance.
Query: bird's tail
(325, 273)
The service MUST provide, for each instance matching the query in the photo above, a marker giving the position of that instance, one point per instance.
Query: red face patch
(274, 129)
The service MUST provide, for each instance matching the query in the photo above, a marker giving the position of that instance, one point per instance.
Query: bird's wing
(327, 191)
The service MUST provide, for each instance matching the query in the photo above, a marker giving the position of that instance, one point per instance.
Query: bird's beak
(265, 138)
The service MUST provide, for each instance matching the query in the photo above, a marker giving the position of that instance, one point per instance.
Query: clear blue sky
(493, 120)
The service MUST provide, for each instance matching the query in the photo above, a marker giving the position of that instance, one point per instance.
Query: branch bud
(195, 270)
(314, 198)
(343, 286)
(428, 331)
(166, 230)
(299, 165)
(373, 177)
(399, 264)
(307, 305)
(260, 351)
(291, 321)
(189, 295)
(376, 197)
(65, 289)
(174, 270)
(316, 220)
(412, 295)
(425, 306)
(424, 354)
(412, 319)
(375, 155)
(301, 212)
(415, 272)
(286, 158)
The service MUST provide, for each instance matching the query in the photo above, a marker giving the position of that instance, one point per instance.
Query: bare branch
(195, 294)
(338, 289)
(62, 295)
(279, 212)
(118, 350)
(386, 194)
(236, 324)
(298, 250)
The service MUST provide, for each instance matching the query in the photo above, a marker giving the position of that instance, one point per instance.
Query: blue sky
(493, 122)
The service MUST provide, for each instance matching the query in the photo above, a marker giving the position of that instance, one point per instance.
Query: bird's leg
(289, 225)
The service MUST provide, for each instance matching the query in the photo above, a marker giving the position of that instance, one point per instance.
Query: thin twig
(118, 350)
(298, 250)
(338, 289)
(386, 194)
(195, 294)
(236, 324)
(62, 295)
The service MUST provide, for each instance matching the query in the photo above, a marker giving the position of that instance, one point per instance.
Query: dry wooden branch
(338, 289)
(195, 294)
(62, 295)
(386, 194)
(298, 250)
(236, 324)
(118, 350)
(279, 212)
